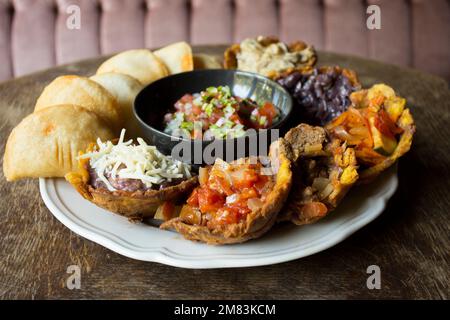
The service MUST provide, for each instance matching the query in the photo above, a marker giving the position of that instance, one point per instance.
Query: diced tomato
(261, 183)
(193, 198)
(215, 116)
(168, 209)
(269, 111)
(248, 193)
(196, 110)
(242, 182)
(179, 105)
(221, 184)
(210, 200)
(313, 210)
(236, 119)
(244, 178)
(385, 125)
(223, 216)
(231, 214)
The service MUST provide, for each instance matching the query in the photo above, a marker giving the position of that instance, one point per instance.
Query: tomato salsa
(216, 114)
(228, 192)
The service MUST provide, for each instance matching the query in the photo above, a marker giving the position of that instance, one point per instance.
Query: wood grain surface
(409, 241)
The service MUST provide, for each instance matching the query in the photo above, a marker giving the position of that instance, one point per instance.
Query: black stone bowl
(159, 97)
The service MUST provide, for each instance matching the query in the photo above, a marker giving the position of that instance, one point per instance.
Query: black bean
(292, 80)
(298, 86)
(319, 96)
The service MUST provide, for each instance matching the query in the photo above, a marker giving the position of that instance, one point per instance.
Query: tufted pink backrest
(33, 33)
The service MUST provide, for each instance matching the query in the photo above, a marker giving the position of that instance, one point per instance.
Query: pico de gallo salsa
(228, 192)
(215, 114)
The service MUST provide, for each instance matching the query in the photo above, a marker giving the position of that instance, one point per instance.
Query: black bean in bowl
(320, 94)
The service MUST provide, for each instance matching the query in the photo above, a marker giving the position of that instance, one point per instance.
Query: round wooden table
(409, 241)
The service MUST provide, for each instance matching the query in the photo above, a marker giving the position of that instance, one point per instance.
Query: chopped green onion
(211, 90)
(263, 120)
(209, 109)
(187, 125)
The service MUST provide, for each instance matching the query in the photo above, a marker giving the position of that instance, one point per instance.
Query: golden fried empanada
(81, 91)
(141, 64)
(124, 88)
(46, 143)
(177, 57)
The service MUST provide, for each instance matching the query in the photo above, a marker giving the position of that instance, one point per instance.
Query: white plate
(283, 243)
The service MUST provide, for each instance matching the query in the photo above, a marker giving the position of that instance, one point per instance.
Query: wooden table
(409, 241)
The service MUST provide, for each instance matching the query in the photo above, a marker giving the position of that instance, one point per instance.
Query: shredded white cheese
(140, 161)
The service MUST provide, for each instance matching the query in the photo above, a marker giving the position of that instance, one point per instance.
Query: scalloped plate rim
(166, 255)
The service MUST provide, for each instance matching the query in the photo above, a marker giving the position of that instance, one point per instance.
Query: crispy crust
(43, 143)
(257, 223)
(406, 122)
(133, 205)
(341, 167)
(230, 55)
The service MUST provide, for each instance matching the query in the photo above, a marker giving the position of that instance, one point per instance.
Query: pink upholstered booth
(33, 33)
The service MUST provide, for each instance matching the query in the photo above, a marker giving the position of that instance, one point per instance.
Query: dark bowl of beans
(319, 94)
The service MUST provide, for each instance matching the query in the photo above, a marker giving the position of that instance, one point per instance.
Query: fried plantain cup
(134, 205)
(377, 126)
(191, 222)
(326, 171)
(309, 55)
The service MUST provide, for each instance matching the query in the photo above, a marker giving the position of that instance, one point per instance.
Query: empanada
(81, 91)
(46, 143)
(141, 64)
(124, 88)
(177, 57)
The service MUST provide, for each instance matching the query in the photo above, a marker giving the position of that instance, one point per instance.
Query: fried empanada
(141, 64)
(81, 91)
(124, 88)
(46, 143)
(206, 61)
(177, 57)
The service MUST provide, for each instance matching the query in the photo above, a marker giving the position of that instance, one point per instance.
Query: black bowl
(159, 97)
